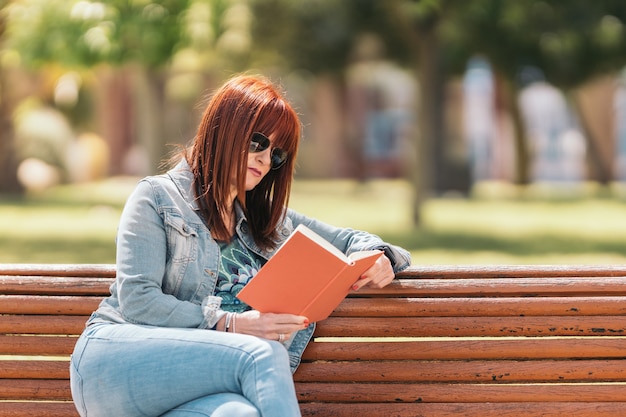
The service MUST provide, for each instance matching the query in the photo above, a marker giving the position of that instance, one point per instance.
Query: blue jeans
(130, 370)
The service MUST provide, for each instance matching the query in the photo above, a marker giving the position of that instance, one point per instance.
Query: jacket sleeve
(350, 240)
(141, 265)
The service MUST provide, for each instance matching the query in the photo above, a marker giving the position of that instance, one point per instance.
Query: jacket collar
(182, 176)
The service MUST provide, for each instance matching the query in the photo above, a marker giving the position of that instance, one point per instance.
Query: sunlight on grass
(499, 225)
(586, 218)
(377, 206)
(66, 222)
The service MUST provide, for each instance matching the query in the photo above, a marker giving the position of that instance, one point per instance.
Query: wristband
(229, 316)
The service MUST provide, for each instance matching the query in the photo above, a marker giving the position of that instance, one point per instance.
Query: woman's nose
(265, 156)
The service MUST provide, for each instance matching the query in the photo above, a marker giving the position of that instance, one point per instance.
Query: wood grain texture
(439, 341)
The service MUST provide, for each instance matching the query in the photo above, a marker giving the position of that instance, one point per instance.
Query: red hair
(243, 105)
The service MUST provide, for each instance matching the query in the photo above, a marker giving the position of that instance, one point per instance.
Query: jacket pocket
(182, 239)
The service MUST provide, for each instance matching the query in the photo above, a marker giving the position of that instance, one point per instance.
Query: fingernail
(306, 324)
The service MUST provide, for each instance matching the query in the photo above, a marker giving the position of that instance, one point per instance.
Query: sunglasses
(260, 142)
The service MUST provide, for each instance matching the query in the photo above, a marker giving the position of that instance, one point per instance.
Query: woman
(172, 339)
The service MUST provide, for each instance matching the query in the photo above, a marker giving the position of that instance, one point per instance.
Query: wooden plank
(35, 304)
(481, 307)
(50, 285)
(36, 345)
(59, 270)
(472, 326)
(462, 349)
(572, 409)
(34, 389)
(418, 271)
(34, 369)
(498, 371)
(39, 409)
(19, 324)
(504, 271)
(500, 287)
(595, 409)
(459, 393)
(370, 307)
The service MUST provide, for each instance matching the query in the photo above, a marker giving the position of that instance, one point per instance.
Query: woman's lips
(255, 171)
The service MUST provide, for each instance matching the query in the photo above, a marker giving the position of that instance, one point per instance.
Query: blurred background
(467, 131)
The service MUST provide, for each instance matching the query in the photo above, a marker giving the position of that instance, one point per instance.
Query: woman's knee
(269, 353)
(217, 405)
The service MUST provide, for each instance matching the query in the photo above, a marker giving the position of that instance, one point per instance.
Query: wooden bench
(440, 341)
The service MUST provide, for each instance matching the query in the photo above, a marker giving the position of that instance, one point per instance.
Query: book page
(322, 242)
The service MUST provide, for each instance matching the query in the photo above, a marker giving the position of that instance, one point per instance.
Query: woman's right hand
(268, 325)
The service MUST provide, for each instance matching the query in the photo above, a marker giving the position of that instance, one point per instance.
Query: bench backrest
(439, 341)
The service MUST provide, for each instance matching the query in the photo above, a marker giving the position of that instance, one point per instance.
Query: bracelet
(229, 316)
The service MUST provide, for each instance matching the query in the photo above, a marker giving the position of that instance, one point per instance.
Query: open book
(307, 276)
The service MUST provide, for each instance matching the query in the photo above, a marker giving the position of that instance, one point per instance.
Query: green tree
(149, 53)
(570, 41)
(8, 162)
(142, 35)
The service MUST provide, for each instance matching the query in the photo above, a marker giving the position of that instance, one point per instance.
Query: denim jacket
(167, 260)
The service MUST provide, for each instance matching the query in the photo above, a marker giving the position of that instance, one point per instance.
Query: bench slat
(501, 287)
(34, 369)
(520, 349)
(458, 393)
(496, 371)
(59, 270)
(614, 409)
(472, 327)
(34, 304)
(50, 285)
(406, 287)
(36, 345)
(509, 271)
(480, 307)
(559, 409)
(426, 271)
(48, 409)
(370, 307)
(383, 327)
(380, 393)
(34, 389)
(32, 324)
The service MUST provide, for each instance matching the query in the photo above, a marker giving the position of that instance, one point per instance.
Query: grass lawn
(78, 223)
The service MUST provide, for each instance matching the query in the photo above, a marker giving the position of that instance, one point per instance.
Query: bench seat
(439, 341)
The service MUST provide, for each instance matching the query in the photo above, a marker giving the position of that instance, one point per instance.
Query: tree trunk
(150, 105)
(429, 173)
(508, 94)
(8, 161)
(116, 115)
(599, 163)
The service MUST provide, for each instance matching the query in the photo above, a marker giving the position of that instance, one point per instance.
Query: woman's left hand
(379, 275)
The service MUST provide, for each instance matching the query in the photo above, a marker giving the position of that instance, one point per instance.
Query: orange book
(307, 276)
